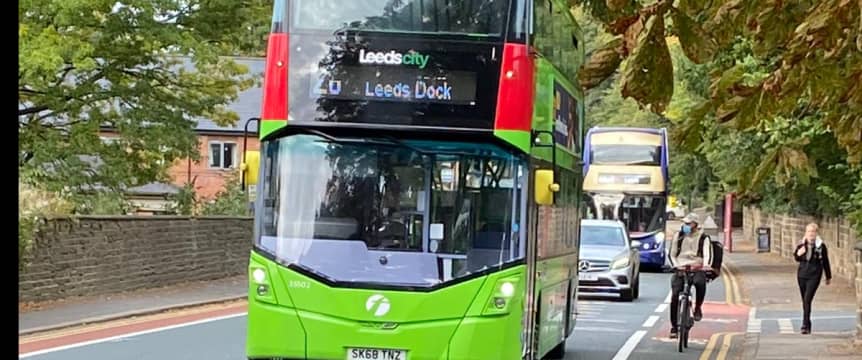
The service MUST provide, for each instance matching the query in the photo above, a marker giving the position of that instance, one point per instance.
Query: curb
(750, 341)
(128, 314)
(750, 344)
(744, 298)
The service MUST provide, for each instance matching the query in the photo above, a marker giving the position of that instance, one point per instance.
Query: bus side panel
(554, 301)
(557, 245)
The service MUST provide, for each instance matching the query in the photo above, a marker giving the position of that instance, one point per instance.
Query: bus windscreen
(620, 154)
(473, 17)
(641, 213)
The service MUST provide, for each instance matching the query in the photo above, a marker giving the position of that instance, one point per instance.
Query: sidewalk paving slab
(768, 283)
(40, 317)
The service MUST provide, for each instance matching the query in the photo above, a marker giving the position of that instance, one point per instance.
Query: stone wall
(104, 255)
(859, 292)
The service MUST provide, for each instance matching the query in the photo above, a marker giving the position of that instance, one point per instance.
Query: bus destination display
(395, 84)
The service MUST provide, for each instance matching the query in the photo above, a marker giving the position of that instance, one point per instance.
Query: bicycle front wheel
(682, 321)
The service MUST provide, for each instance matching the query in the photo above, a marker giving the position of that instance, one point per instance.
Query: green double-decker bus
(418, 183)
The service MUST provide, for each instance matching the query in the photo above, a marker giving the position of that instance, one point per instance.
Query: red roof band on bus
(275, 81)
(517, 84)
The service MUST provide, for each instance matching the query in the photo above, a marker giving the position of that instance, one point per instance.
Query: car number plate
(588, 277)
(375, 354)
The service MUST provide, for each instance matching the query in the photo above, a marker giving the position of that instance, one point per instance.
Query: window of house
(222, 155)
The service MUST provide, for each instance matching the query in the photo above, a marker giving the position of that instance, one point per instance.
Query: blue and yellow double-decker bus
(627, 179)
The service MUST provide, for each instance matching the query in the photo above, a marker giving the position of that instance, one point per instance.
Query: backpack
(716, 249)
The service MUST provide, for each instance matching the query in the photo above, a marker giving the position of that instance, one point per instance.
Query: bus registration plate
(375, 354)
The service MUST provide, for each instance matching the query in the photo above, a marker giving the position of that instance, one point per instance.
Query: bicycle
(685, 317)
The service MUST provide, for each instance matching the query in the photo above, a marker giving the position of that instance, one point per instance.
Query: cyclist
(684, 252)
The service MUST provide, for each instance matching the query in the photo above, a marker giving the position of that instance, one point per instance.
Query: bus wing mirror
(250, 167)
(545, 187)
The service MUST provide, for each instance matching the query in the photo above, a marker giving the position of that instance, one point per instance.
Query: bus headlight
(507, 289)
(504, 292)
(259, 276)
(659, 238)
(260, 288)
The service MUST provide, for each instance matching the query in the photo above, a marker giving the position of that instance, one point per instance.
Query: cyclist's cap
(691, 218)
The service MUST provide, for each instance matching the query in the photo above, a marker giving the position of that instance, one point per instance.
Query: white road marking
(630, 345)
(129, 335)
(754, 324)
(650, 321)
(667, 299)
(785, 326)
(661, 308)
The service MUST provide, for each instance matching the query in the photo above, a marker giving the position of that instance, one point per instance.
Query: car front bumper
(606, 281)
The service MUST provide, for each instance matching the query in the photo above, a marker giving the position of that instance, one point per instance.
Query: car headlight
(659, 238)
(620, 263)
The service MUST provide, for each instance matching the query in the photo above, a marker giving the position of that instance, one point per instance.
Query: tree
(808, 49)
(89, 64)
(781, 104)
(802, 49)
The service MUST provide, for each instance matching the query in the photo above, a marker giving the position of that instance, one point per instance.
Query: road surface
(606, 329)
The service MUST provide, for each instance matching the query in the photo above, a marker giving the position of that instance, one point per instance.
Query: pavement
(48, 316)
(768, 284)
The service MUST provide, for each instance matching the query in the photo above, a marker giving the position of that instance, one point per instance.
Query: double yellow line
(732, 295)
(725, 345)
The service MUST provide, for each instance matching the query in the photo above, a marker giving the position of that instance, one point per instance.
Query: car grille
(599, 282)
(595, 265)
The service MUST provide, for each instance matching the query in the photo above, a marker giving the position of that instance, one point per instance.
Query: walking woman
(813, 261)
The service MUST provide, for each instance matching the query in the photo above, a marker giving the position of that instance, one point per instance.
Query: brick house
(221, 150)
(220, 147)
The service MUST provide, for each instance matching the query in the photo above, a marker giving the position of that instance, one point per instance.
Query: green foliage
(184, 200)
(89, 64)
(774, 110)
(648, 75)
(231, 200)
(608, 108)
(34, 206)
(101, 203)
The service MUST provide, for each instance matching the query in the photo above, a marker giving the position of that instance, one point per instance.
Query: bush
(34, 206)
(231, 201)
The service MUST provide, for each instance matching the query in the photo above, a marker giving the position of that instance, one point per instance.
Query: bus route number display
(395, 84)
